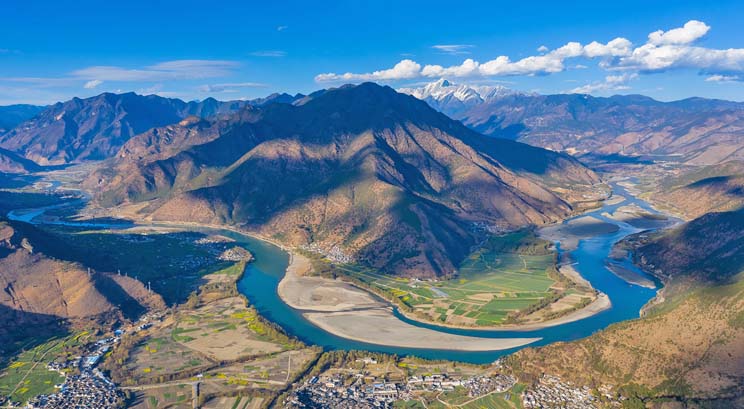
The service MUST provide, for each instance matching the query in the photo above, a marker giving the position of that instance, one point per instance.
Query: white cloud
(230, 87)
(92, 84)
(615, 48)
(664, 50)
(611, 83)
(723, 78)
(691, 31)
(650, 57)
(673, 49)
(281, 28)
(453, 48)
(269, 53)
(169, 70)
(405, 69)
(548, 63)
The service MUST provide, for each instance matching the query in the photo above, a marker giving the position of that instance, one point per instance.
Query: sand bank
(637, 217)
(352, 313)
(629, 275)
(379, 326)
(569, 233)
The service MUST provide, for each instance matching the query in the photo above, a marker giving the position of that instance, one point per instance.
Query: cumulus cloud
(92, 84)
(168, 70)
(663, 50)
(691, 31)
(405, 69)
(453, 48)
(651, 57)
(615, 48)
(548, 63)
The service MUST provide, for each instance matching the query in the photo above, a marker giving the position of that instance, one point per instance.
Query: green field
(507, 274)
(27, 375)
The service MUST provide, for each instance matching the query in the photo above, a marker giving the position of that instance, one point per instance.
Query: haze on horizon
(239, 50)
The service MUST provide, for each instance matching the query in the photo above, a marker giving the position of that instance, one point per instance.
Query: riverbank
(349, 312)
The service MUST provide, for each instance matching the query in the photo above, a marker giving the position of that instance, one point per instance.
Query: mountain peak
(449, 97)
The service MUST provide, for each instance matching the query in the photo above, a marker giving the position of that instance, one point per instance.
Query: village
(85, 386)
(551, 392)
(359, 390)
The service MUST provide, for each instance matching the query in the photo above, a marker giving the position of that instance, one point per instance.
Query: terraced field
(507, 275)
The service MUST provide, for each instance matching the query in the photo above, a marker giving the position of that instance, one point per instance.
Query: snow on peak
(444, 91)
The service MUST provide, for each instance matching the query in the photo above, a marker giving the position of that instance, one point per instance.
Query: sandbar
(630, 276)
(349, 312)
(570, 232)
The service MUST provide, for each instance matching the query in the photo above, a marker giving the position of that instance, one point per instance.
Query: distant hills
(695, 130)
(699, 190)
(95, 128)
(361, 171)
(12, 115)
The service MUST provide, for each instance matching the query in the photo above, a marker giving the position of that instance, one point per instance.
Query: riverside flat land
(509, 276)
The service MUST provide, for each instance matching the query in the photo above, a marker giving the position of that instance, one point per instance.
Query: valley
(356, 247)
(178, 332)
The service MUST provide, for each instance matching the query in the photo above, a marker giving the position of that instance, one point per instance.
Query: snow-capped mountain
(452, 99)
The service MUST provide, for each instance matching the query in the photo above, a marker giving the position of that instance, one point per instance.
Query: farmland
(27, 375)
(507, 278)
(216, 339)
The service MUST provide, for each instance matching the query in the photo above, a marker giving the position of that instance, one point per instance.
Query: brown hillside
(363, 173)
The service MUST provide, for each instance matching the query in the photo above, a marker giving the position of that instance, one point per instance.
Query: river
(260, 281)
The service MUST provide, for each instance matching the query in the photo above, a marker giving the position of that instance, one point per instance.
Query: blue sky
(52, 51)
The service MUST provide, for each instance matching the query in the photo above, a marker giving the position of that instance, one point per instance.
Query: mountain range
(95, 128)
(12, 115)
(454, 99)
(697, 131)
(363, 171)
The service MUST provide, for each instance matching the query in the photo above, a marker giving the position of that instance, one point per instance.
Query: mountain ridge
(94, 128)
(697, 131)
(364, 169)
